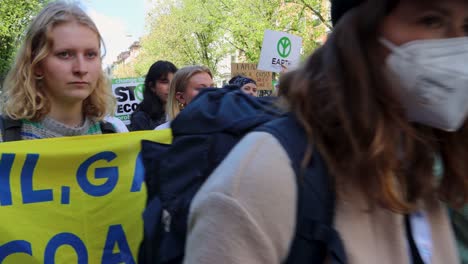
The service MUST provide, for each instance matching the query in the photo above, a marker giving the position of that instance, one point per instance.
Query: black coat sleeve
(140, 121)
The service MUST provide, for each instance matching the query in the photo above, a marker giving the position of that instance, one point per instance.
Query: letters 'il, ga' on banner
(74, 199)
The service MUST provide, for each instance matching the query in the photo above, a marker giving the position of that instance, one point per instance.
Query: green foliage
(14, 17)
(184, 34)
(125, 71)
(205, 31)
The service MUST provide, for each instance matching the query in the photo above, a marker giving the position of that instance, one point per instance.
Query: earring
(181, 106)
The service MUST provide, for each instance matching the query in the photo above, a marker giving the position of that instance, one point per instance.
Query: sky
(120, 22)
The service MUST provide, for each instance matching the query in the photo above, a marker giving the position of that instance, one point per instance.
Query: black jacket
(141, 120)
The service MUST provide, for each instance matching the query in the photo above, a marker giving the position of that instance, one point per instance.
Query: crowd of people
(383, 104)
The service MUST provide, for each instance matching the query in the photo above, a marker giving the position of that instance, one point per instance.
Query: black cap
(340, 7)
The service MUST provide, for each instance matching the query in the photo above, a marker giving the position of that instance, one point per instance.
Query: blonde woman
(56, 86)
(185, 85)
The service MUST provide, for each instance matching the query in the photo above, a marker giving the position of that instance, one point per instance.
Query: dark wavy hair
(352, 115)
(152, 104)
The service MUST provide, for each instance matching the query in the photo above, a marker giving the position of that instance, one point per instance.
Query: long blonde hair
(23, 98)
(179, 84)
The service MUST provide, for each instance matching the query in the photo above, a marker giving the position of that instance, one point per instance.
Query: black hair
(152, 104)
(233, 79)
(341, 7)
(241, 80)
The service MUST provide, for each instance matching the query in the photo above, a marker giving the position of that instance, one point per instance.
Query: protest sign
(264, 79)
(129, 93)
(279, 49)
(73, 199)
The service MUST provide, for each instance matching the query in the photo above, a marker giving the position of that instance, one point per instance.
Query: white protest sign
(129, 93)
(279, 48)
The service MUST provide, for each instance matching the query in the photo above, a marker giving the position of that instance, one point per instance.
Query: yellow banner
(73, 200)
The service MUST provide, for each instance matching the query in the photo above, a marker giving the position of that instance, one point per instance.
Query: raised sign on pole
(264, 79)
(280, 49)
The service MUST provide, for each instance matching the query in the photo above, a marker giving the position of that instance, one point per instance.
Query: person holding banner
(376, 109)
(185, 85)
(150, 113)
(56, 86)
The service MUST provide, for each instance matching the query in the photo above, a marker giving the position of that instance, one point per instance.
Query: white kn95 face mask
(433, 76)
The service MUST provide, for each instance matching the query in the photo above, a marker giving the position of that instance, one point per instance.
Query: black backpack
(11, 128)
(204, 133)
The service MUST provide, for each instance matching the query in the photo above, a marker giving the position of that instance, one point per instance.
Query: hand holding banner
(73, 199)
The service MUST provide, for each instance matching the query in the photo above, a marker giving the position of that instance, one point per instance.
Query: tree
(318, 9)
(206, 31)
(124, 70)
(184, 35)
(246, 21)
(14, 17)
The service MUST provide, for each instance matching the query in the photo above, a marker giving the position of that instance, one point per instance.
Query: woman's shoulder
(257, 169)
(253, 190)
(140, 114)
(163, 125)
(13, 126)
(118, 124)
(140, 120)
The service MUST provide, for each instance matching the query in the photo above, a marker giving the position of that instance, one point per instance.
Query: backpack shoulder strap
(107, 127)
(290, 136)
(315, 237)
(11, 129)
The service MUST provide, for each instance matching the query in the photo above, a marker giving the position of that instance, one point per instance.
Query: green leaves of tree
(205, 31)
(14, 18)
(183, 33)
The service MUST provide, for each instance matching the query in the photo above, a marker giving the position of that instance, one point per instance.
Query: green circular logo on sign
(139, 92)
(284, 47)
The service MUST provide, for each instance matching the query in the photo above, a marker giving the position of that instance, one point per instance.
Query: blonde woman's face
(195, 84)
(72, 68)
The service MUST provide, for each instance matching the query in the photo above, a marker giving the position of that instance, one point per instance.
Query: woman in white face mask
(382, 101)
